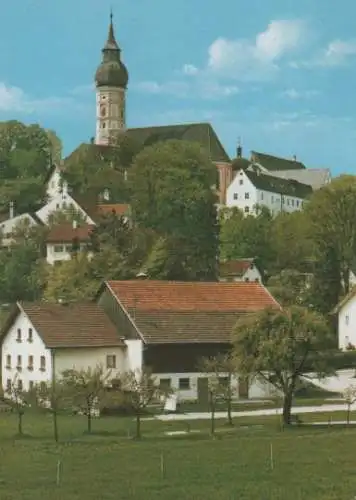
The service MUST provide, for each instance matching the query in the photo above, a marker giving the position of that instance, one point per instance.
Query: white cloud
(207, 89)
(338, 53)
(15, 100)
(254, 59)
(294, 94)
(190, 69)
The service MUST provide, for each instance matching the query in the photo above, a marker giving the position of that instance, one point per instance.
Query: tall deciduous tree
(279, 346)
(25, 155)
(244, 237)
(331, 212)
(172, 194)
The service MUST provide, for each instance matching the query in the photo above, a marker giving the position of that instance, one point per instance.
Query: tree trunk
(212, 410)
(229, 411)
(138, 425)
(348, 414)
(89, 410)
(55, 425)
(20, 423)
(287, 407)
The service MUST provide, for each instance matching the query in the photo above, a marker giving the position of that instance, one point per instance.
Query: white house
(239, 270)
(251, 188)
(346, 312)
(55, 183)
(63, 239)
(9, 226)
(41, 340)
(61, 202)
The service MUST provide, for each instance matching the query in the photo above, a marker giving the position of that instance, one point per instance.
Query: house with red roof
(41, 340)
(64, 239)
(170, 326)
(239, 270)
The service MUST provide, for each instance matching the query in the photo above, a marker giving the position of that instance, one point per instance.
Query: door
(203, 391)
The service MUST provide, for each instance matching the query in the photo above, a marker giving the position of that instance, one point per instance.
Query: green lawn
(309, 463)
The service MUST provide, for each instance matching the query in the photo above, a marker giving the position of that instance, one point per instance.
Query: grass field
(308, 463)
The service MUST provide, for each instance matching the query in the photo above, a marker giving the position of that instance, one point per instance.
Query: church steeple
(111, 80)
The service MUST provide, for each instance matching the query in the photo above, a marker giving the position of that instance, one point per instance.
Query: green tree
(331, 212)
(171, 185)
(139, 389)
(71, 280)
(246, 236)
(279, 346)
(291, 287)
(25, 156)
(22, 272)
(53, 396)
(87, 388)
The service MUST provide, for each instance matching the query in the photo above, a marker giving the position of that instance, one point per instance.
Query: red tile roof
(117, 208)
(145, 295)
(66, 233)
(71, 325)
(189, 312)
(236, 267)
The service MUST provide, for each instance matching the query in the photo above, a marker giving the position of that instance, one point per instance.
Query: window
(8, 385)
(288, 201)
(103, 125)
(19, 336)
(236, 196)
(57, 206)
(42, 363)
(30, 363)
(257, 280)
(241, 181)
(8, 361)
(110, 361)
(19, 385)
(261, 196)
(297, 203)
(58, 248)
(184, 384)
(347, 319)
(247, 196)
(292, 201)
(223, 381)
(30, 335)
(247, 209)
(165, 383)
(64, 205)
(31, 385)
(247, 280)
(272, 199)
(43, 386)
(19, 362)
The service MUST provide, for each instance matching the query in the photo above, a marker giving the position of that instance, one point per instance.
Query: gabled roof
(71, 325)
(274, 162)
(188, 312)
(203, 133)
(285, 187)
(315, 177)
(66, 233)
(236, 267)
(344, 301)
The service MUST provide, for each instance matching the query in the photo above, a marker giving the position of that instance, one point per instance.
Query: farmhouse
(171, 325)
(40, 340)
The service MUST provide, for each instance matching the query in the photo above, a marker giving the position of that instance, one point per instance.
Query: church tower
(111, 80)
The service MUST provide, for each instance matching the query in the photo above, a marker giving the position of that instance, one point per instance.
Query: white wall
(236, 193)
(25, 349)
(110, 113)
(59, 252)
(273, 201)
(257, 389)
(8, 226)
(61, 202)
(54, 185)
(134, 355)
(347, 324)
(81, 358)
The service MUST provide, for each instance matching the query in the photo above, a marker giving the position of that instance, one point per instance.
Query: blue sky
(281, 74)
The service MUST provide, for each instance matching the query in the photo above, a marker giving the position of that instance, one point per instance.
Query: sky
(279, 74)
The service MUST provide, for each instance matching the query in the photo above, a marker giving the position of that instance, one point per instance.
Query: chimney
(12, 210)
(75, 224)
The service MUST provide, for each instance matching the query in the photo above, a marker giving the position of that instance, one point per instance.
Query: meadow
(254, 460)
